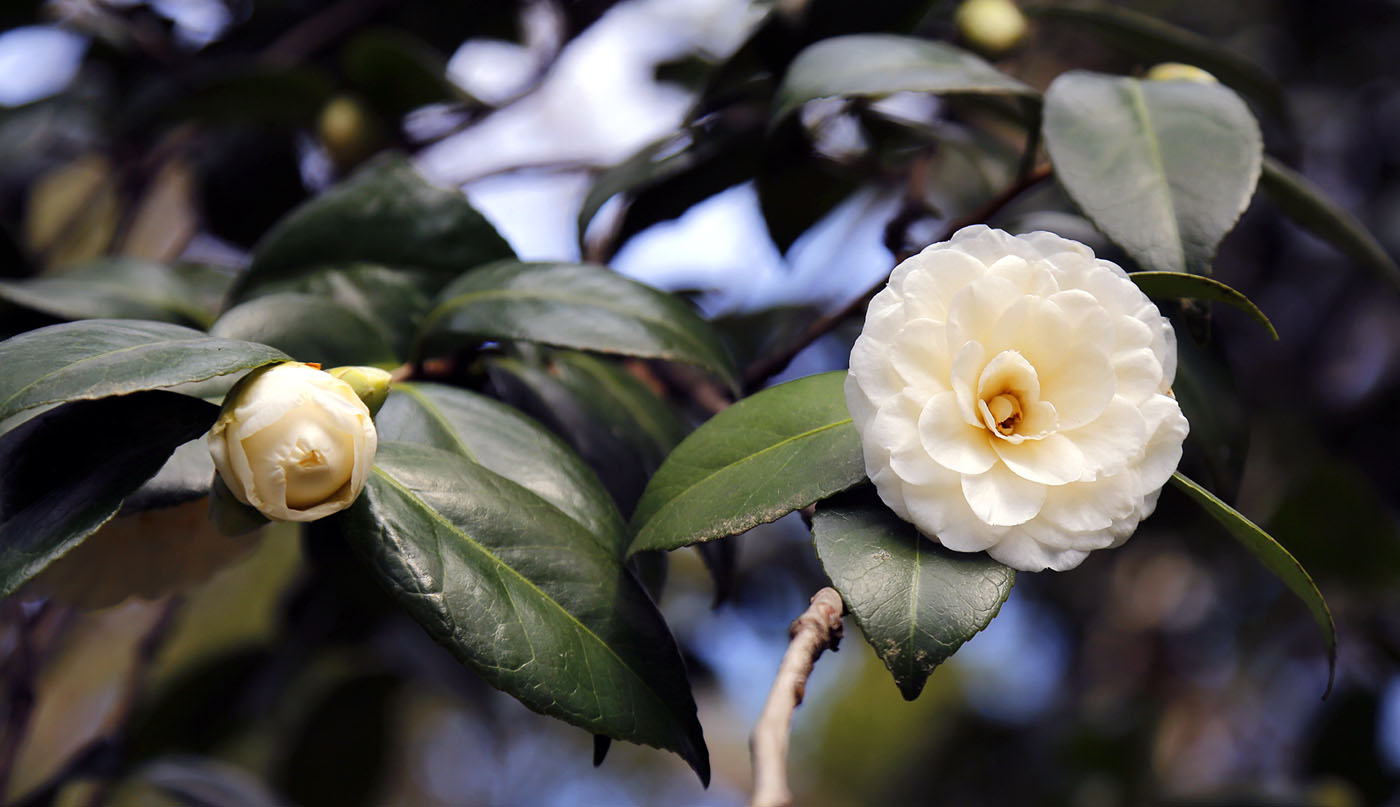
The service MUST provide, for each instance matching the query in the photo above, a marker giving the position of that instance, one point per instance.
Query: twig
(818, 629)
(759, 372)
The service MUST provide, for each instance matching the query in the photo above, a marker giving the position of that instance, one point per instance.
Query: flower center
(1006, 412)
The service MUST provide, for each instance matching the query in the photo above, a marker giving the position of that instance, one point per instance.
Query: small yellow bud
(1176, 71)
(370, 383)
(991, 26)
(349, 131)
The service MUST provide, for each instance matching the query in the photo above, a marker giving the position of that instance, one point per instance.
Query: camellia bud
(991, 26)
(370, 383)
(1176, 71)
(350, 131)
(294, 442)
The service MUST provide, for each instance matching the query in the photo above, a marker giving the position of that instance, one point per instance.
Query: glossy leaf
(185, 294)
(1164, 168)
(507, 442)
(915, 601)
(1184, 286)
(398, 71)
(308, 328)
(100, 357)
(1306, 204)
(1277, 559)
(526, 596)
(666, 178)
(583, 306)
(68, 470)
(393, 299)
(617, 425)
(770, 454)
(867, 65)
(1218, 442)
(385, 213)
(1149, 39)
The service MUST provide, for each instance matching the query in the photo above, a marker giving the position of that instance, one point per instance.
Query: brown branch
(761, 370)
(818, 629)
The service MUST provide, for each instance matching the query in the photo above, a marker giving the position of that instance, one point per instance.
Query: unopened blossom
(294, 442)
(1013, 394)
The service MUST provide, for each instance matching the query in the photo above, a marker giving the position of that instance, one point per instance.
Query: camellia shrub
(1012, 403)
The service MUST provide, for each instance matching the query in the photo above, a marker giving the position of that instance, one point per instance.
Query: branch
(760, 371)
(817, 629)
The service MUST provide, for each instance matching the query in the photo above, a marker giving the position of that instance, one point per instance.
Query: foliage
(555, 425)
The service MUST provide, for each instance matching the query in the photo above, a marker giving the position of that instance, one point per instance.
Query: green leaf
(1164, 168)
(770, 454)
(1179, 286)
(101, 357)
(526, 596)
(577, 305)
(866, 65)
(393, 299)
(1148, 39)
(68, 470)
(278, 96)
(1306, 204)
(122, 288)
(386, 213)
(915, 601)
(308, 328)
(666, 178)
(617, 425)
(1277, 559)
(507, 442)
(1220, 424)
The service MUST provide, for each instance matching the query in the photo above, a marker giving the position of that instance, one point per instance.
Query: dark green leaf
(68, 470)
(393, 299)
(308, 328)
(1184, 286)
(385, 213)
(279, 96)
(770, 454)
(526, 596)
(619, 427)
(915, 601)
(185, 476)
(507, 442)
(867, 65)
(584, 306)
(1164, 168)
(398, 71)
(1307, 205)
(1220, 426)
(185, 294)
(794, 192)
(101, 357)
(1149, 39)
(1275, 558)
(668, 177)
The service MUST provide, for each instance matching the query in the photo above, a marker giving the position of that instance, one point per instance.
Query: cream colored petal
(935, 276)
(976, 309)
(920, 357)
(967, 367)
(1080, 387)
(1163, 452)
(949, 441)
(1021, 552)
(1001, 498)
(1009, 371)
(1090, 506)
(1112, 440)
(1052, 460)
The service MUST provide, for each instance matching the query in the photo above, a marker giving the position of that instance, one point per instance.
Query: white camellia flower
(294, 442)
(1013, 394)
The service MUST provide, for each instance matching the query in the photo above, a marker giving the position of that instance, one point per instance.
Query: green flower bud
(370, 383)
(991, 26)
(1176, 71)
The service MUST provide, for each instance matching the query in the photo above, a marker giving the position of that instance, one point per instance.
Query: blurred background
(1175, 670)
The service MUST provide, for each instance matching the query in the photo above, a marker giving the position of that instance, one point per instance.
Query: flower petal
(1022, 552)
(1052, 460)
(1001, 498)
(967, 366)
(975, 309)
(920, 357)
(951, 442)
(933, 278)
(1112, 440)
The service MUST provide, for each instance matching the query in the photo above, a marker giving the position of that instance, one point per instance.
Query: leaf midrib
(674, 500)
(474, 544)
(1154, 149)
(657, 322)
